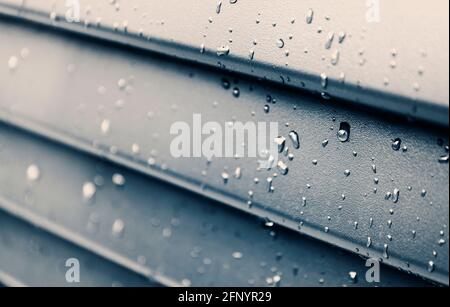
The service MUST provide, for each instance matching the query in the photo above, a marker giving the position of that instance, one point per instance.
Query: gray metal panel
(169, 231)
(394, 55)
(67, 107)
(32, 257)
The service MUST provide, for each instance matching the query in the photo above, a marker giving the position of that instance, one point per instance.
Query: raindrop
(295, 139)
(223, 50)
(33, 173)
(369, 242)
(323, 80)
(329, 41)
(396, 144)
(309, 16)
(118, 228)
(225, 177)
(431, 266)
(280, 142)
(118, 180)
(105, 126)
(13, 62)
(237, 255)
(396, 195)
(443, 159)
(236, 92)
(88, 190)
(218, 7)
(280, 43)
(282, 167)
(353, 276)
(343, 134)
(385, 251)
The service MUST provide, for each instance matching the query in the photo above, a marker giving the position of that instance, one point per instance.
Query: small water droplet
(223, 50)
(89, 190)
(280, 142)
(118, 228)
(396, 144)
(431, 266)
(237, 255)
(33, 173)
(282, 167)
(13, 63)
(396, 195)
(309, 16)
(295, 139)
(118, 180)
(343, 134)
(280, 43)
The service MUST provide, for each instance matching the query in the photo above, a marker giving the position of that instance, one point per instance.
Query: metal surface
(88, 74)
(32, 257)
(389, 55)
(177, 235)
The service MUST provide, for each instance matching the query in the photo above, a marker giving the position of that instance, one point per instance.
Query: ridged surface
(70, 106)
(391, 55)
(169, 234)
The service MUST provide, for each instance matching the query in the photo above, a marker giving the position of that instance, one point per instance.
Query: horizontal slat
(180, 235)
(30, 256)
(393, 56)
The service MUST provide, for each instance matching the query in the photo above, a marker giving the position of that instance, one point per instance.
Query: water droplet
(118, 180)
(431, 266)
(343, 134)
(238, 173)
(225, 177)
(236, 92)
(353, 276)
(105, 126)
(295, 139)
(396, 144)
(237, 255)
(323, 80)
(118, 228)
(223, 50)
(347, 172)
(335, 57)
(309, 16)
(135, 149)
(396, 195)
(369, 242)
(13, 62)
(218, 7)
(88, 190)
(280, 43)
(329, 41)
(122, 83)
(33, 173)
(282, 167)
(280, 142)
(443, 159)
(385, 251)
